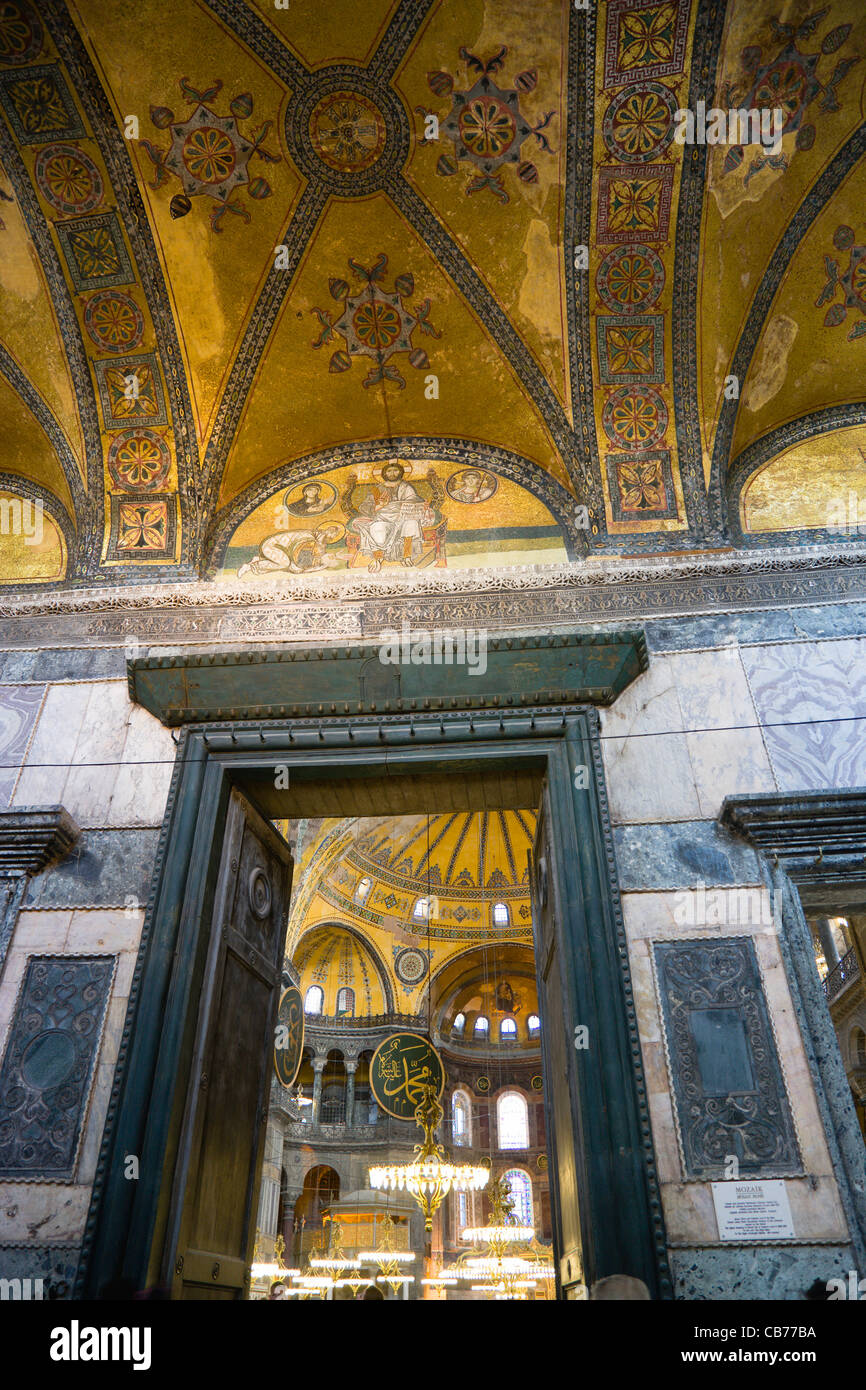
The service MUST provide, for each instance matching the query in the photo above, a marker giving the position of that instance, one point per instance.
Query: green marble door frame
(625, 1234)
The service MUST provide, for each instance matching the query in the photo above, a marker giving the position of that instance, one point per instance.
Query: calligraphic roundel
(289, 1036)
(401, 1067)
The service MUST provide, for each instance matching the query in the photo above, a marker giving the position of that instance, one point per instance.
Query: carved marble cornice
(33, 836)
(363, 605)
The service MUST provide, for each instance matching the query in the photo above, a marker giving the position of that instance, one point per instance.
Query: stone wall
(746, 703)
(701, 725)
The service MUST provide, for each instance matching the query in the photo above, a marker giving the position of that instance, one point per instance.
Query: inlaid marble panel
(48, 1065)
(726, 1081)
(811, 700)
(19, 706)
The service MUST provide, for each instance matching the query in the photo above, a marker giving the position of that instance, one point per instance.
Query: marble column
(318, 1068)
(828, 944)
(351, 1068)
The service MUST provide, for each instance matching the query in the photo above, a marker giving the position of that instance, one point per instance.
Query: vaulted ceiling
(245, 246)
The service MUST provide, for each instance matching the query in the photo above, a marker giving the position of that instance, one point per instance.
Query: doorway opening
(538, 1007)
(418, 923)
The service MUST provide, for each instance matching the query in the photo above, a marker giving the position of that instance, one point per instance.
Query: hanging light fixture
(513, 1261)
(429, 1177)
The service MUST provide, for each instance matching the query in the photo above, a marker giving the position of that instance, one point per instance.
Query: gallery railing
(836, 979)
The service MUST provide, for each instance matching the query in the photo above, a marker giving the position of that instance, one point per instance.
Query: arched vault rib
(502, 331)
(47, 421)
(810, 209)
(88, 501)
(115, 153)
(392, 49)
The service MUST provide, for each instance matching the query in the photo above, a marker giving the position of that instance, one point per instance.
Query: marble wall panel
(19, 707)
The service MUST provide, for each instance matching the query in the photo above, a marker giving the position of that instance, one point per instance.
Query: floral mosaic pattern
(375, 322)
(114, 321)
(138, 461)
(68, 179)
(209, 154)
(634, 202)
(486, 125)
(851, 281)
(639, 124)
(788, 80)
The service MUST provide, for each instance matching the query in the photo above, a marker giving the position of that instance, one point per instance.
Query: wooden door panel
(222, 1144)
(560, 1082)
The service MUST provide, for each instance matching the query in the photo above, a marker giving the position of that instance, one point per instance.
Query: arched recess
(382, 974)
(789, 441)
(481, 965)
(832, 177)
(505, 462)
(32, 492)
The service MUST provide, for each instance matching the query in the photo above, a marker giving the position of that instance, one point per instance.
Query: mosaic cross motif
(39, 106)
(644, 38)
(95, 252)
(788, 81)
(486, 125)
(376, 323)
(634, 202)
(852, 283)
(641, 485)
(131, 391)
(209, 154)
(142, 527)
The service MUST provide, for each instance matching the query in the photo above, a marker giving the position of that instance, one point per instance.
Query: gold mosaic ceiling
(245, 247)
(355, 918)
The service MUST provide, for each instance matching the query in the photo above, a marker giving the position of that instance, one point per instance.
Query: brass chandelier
(429, 1177)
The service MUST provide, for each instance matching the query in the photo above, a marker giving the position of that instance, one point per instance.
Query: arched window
(459, 1023)
(533, 1023)
(314, 1000)
(520, 1187)
(508, 1030)
(345, 1000)
(362, 892)
(482, 1026)
(500, 914)
(421, 910)
(462, 1212)
(858, 1047)
(460, 1119)
(512, 1119)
